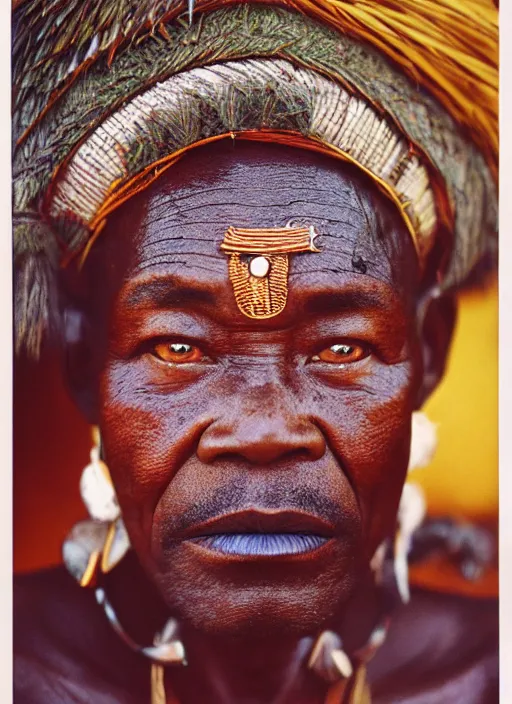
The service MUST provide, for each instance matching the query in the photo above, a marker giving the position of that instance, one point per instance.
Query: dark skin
(301, 421)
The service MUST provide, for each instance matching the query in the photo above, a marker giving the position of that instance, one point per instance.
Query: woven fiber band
(211, 101)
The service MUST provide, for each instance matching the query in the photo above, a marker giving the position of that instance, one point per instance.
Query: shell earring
(100, 543)
(423, 441)
(411, 512)
(96, 488)
(413, 506)
(96, 546)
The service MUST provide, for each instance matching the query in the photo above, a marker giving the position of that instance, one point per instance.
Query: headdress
(108, 94)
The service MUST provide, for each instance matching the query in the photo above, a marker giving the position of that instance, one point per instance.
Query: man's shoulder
(58, 657)
(49, 606)
(45, 586)
(440, 645)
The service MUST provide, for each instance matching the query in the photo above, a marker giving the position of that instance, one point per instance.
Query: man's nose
(262, 433)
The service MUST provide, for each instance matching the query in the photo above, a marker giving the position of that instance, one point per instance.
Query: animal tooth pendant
(258, 265)
(328, 659)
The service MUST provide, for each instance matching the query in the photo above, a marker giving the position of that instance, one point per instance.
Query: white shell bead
(86, 538)
(423, 441)
(343, 664)
(166, 652)
(97, 492)
(118, 547)
(259, 267)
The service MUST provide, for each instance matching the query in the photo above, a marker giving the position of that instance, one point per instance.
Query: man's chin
(262, 599)
(256, 611)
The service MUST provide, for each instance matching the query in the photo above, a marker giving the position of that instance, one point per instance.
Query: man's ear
(79, 362)
(437, 325)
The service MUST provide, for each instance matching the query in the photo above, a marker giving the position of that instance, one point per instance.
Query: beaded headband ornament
(258, 266)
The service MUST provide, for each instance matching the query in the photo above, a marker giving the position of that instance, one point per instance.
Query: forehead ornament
(258, 265)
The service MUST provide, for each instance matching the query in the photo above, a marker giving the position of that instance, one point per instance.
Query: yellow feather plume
(448, 46)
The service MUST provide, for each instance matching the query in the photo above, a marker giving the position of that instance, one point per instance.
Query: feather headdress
(406, 89)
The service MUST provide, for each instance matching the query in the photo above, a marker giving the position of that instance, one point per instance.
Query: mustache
(233, 497)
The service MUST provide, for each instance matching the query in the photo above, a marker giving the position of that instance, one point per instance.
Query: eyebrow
(334, 302)
(167, 294)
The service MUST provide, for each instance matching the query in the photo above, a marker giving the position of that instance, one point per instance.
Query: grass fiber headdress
(109, 93)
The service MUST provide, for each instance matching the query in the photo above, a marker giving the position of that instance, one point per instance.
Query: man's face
(258, 463)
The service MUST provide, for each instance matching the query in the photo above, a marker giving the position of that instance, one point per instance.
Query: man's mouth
(263, 544)
(260, 533)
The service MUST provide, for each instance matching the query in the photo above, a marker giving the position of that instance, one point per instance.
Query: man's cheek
(146, 434)
(372, 447)
(381, 486)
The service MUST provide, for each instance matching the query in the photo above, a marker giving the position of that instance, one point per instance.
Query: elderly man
(257, 245)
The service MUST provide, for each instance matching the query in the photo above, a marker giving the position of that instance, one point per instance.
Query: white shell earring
(423, 441)
(413, 506)
(411, 512)
(99, 543)
(96, 546)
(96, 488)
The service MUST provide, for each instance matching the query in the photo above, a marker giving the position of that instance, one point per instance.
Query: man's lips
(262, 533)
(261, 544)
(263, 521)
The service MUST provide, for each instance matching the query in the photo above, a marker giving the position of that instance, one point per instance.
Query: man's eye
(177, 352)
(342, 353)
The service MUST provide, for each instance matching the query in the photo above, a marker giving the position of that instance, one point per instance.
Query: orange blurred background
(52, 443)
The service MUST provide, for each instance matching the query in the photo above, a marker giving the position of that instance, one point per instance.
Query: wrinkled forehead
(180, 221)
